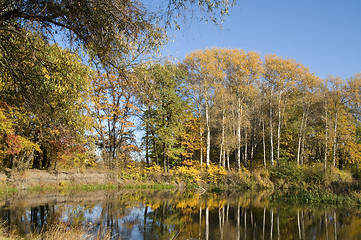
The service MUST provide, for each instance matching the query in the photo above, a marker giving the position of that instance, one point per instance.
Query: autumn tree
(108, 30)
(242, 69)
(113, 110)
(45, 91)
(161, 94)
(280, 76)
(204, 71)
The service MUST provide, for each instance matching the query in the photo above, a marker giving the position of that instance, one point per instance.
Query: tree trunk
(164, 158)
(326, 136)
(221, 155)
(335, 140)
(228, 167)
(264, 146)
(271, 132)
(300, 139)
(279, 129)
(208, 153)
(246, 147)
(201, 138)
(155, 152)
(239, 110)
(147, 139)
(303, 141)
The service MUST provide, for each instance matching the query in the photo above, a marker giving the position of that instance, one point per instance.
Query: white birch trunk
(300, 139)
(279, 129)
(271, 132)
(335, 139)
(264, 146)
(228, 167)
(239, 109)
(208, 136)
(221, 154)
(201, 137)
(303, 141)
(246, 148)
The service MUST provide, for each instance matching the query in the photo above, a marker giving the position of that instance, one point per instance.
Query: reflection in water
(174, 215)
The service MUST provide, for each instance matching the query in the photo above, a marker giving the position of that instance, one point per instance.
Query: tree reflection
(175, 215)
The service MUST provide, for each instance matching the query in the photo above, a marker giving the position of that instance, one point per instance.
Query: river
(144, 214)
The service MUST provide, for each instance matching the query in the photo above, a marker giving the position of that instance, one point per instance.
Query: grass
(57, 230)
(95, 187)
(89, 187)
(4, 190)
(149, 186)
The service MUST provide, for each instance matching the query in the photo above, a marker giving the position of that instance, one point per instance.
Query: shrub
(356, 172)
(215, 174)
(190, 175)
(337, 175)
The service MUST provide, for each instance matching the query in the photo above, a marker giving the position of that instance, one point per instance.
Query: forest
(85, 106)
(217, 106)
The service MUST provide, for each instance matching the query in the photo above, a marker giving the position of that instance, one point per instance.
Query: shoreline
(334, 193)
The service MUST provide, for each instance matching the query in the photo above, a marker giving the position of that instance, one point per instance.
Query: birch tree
(280, 75)
(203, 73)
(242, 70)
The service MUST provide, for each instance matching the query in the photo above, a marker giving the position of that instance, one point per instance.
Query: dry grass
(59, 230)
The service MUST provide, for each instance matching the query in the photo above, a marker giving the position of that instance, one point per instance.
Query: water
(175, 215)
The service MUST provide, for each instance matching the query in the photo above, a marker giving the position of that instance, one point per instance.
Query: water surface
(132, 214)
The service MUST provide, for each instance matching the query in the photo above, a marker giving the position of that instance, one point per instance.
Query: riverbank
(303, 184)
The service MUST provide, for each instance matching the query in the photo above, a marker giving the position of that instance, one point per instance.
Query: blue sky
(323, 35)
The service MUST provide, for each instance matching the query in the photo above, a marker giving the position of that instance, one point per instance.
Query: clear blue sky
(323, 35)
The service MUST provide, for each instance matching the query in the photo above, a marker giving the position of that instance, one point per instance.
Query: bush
(305, 177)
(356, 172)
(337, 175)
(190, 175)
(215, 175)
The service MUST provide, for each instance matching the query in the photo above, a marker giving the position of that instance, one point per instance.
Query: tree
(204, 71)
(279, 76)
(46, 90)
(109, 30)
(242, 70)
(307, 84)
(113, 109)
(161, 95)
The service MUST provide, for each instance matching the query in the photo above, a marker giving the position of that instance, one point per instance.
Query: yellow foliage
(191, 175)
(215, 174)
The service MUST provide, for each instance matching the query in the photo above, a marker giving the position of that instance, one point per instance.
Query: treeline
(217, 106)
(85, 106)
(233, 109)
(54, 109)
